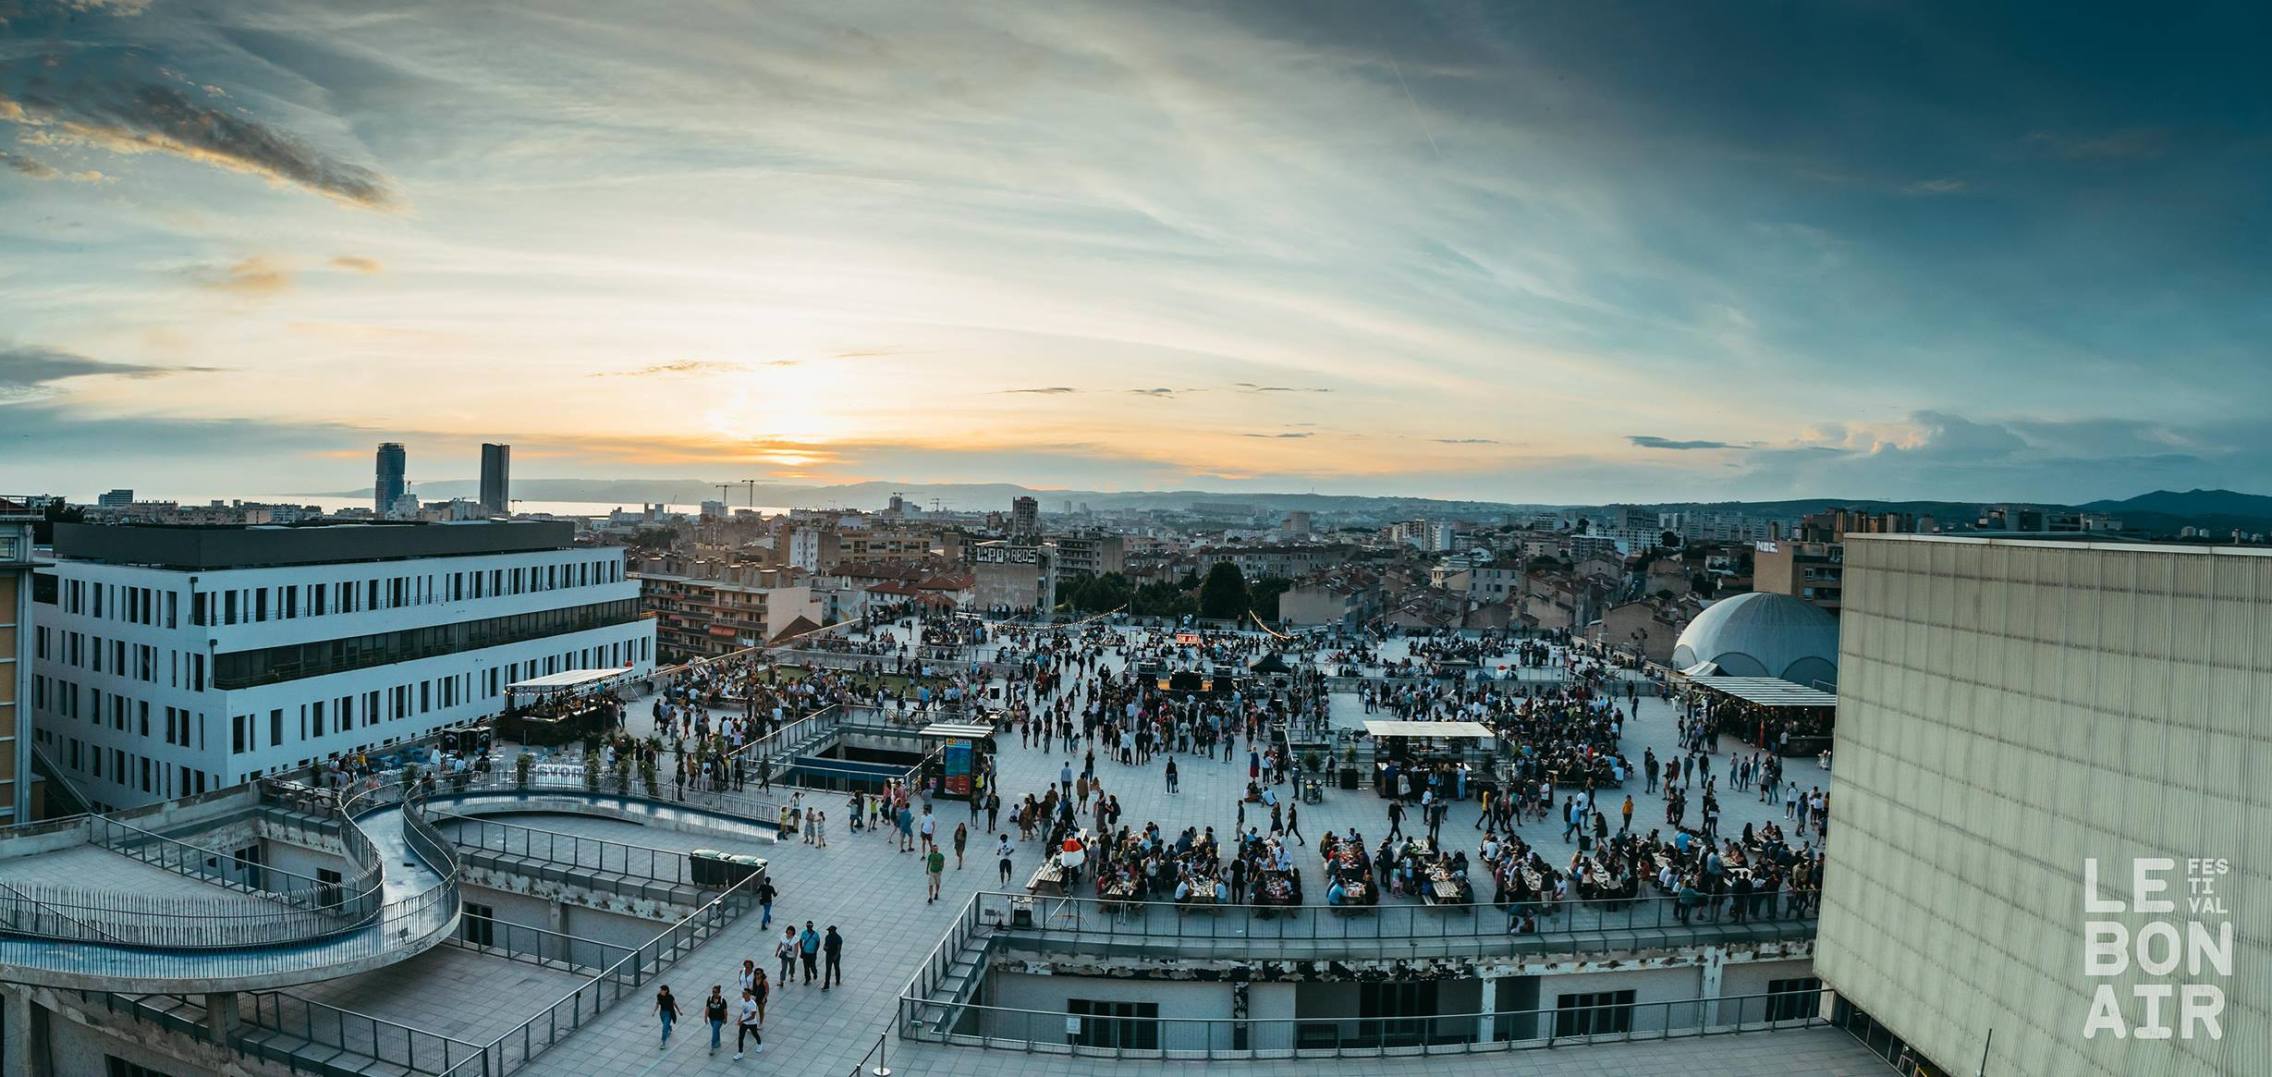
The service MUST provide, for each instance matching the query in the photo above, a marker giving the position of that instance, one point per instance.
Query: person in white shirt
(746, 1026)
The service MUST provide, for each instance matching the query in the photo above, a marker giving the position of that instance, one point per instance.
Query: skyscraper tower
(388, 485)
(496, 479)
(1025, 519)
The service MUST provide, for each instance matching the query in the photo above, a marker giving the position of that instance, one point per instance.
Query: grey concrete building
(2048, 779)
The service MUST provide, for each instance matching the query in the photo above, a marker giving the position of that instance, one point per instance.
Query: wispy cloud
(1250, 387)
(1046, 390)
(127, 117)
(679, 369)
(41, 170)
(1651, 441)
(1161, 393)
(1467, 441)
(1930, 187)
(29, 372)
(355, 263)
(257, 277)
(2136, 144)
(1285, 434)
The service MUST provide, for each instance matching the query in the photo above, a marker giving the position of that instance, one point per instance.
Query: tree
(1160, 598)
(1223, 596)
(1262, 597)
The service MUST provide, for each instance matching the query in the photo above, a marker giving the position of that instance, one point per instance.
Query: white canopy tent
(572, 680)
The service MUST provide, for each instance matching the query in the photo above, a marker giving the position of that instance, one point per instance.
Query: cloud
(1047, 390)
(256, 276)
(146, 117)
(1467, 441)
(1931, 187)
(1287, 434)
(1651, 441)
(871, 353)
(1248, 386)
(356, 263)
(29, 372)
(2111, 146)
(1161, 393)
(41, 170)
(680, 368)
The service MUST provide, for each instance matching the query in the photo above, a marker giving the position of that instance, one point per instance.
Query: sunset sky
(1552, 252)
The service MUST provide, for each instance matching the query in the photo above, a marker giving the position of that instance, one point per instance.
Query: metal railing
(1224, 1038)
(761, 810)
(618, 981)
(359, 891)
(1308, 930)
(589, 854)
(520, 942)
(289, 1018)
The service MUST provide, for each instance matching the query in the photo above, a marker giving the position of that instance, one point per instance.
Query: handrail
(679, 869)
(1217, 1038)
(610, 985)
(752, 809)
(87, 930)
(150, 847)
(1480, 919)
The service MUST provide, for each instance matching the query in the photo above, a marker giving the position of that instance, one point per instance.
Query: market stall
(1408, 755)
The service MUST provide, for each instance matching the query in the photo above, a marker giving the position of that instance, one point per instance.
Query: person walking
(1395, 819)
(759, 989)
(747, 1028)
(808, 949)
(786, 950)
(1003, 851)
(765, 895)
(1294, 822)
(818, 820)
(1171, 775)
(714, 1011)
(666, 1008)
(933, 864)
(832, 948)
(962, 838)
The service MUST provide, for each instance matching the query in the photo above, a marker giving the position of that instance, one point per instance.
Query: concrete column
(1487, 1029)
(1715, 962)
(22, 1054)
(557, 916)
(221, 1016)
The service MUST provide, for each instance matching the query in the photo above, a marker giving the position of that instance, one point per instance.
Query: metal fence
(358, 892)
(618, 981)
(1589, 1020)
(1306, 930)
(589, 854)
(520, 942)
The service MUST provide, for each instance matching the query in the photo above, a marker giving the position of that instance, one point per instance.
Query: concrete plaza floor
(874, 895)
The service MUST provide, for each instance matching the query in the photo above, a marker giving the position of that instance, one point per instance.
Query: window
(115, 1066)
(1794, 1000)
(327, 887)
(1396, 1014)
(1130, 1025)
(1593, 1014)
(480, 924)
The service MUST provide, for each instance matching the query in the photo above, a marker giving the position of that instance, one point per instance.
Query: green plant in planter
(591, 772)
(409, 775)
(623, 773)
(523, 766)
(647, 775)
(1312, 761)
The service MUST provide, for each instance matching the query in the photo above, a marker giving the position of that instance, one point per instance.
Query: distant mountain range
(963, 497)
(2159, 512)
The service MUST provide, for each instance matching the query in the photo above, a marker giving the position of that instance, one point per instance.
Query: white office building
(170, 661)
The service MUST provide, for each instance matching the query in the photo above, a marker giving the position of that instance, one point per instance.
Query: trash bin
(739, 867)
(1021, 912)
(708, 867)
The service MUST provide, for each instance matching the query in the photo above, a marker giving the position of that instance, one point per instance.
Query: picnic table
(1049, 877)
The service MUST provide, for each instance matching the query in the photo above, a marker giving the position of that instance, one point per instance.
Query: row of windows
(293, 661)
(62, 699)
(161, 608)
(130, 771)
(293, 601)
(134, 661)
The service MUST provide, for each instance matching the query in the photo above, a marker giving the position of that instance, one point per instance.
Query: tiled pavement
(463, 994)
(875, 897)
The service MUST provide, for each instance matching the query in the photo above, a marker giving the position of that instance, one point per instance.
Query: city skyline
(1516, 255)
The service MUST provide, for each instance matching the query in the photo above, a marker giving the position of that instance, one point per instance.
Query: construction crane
(752, 485)
(722, 488)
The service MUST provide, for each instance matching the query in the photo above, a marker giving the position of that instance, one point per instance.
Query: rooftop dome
(1762, 635)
